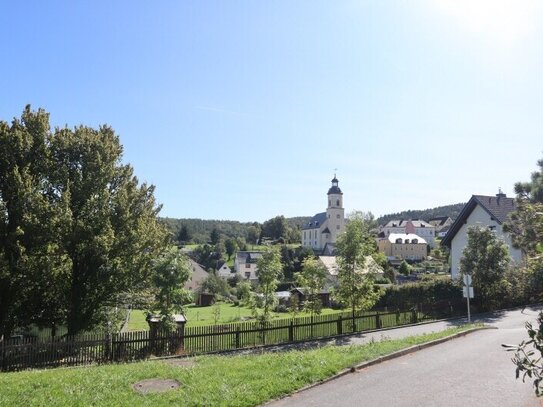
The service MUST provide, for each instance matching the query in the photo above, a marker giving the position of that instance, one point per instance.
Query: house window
(492, 227)
(247, 274)
(247, 265)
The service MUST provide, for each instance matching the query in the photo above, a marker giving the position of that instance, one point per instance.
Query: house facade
(488, 211)
(324, 228)
(403, 246)
(223, 270)
(245, 264)
(418, 227)
(197, 275)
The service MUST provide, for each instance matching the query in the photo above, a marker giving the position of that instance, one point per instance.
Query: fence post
(237, 338)
(339, 326)
(377, 321)
(414, 318)
(291, 332)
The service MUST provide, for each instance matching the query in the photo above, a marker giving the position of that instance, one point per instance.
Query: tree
(230, 246)
(356, 288)
(486, 259)
(532, 191)
(77, 230)
(215, 236)
(311, 279)
(244, 293)
(404, 268)
(269, 270)
(171, 272)
(253, 233)
(275, 228)
(184, 234)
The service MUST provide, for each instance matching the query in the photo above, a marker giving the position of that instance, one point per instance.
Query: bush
(426, 293)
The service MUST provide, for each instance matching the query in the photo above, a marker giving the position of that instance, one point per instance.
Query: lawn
(238, 380)
(198, 316)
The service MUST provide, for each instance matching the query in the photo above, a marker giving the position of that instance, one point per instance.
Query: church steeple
(335, 196)
(334, 189)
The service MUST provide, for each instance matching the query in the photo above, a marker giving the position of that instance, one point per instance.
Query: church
(321, 232)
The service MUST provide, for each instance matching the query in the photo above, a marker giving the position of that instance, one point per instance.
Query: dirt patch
(180, 362)
(156, 385)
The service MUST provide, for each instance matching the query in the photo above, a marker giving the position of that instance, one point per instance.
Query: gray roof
(498, 207)
(401, 223)
(315, 222)
(248, 257)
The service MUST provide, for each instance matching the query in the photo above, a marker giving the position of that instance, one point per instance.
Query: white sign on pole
(465, 289)
(467, 279)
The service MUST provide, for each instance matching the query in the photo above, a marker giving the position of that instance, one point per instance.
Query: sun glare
(506, 21)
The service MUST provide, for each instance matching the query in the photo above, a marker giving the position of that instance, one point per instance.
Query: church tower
(335, 213)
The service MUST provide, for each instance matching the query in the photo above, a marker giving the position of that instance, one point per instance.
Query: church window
(337, 216)
(337, 227)
(337, 202)
(329, 202)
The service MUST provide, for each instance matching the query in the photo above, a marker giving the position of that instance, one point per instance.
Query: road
(468, 371)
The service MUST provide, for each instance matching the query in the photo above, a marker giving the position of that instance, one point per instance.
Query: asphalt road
(469, 371)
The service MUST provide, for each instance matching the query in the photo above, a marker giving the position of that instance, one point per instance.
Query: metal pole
(469, 315)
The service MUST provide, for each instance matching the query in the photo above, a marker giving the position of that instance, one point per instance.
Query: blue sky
(242, 110)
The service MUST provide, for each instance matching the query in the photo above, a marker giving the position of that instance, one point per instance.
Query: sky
(244, 110)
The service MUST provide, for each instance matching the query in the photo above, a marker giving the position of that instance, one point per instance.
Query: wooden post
(291, 332)
(339, 325)
(414, 319)
(377, 321)
(237, 338)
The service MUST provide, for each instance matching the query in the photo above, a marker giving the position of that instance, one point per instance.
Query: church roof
(315, 222)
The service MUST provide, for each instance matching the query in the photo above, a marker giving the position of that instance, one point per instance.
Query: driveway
(469, 371)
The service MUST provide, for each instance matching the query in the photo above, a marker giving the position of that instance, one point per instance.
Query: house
(223, 270)
(405, 246)
(482, 210)
(198, 274)
(330, 262)
(245, 264)
(442, 225)
(324, 228)
(416, 226)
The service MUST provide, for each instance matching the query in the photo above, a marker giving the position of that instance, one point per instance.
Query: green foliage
(230, 246)
(269, 272)
(528, 355)
(215, 236)
(356, 288)
(171, 272)
(451, 211)
(407, 296)
(311, 279)
(184, 235)
(404, 268)
(244, 293)
(213, 284)
(486, 259)
(532, 191)
(77, 230)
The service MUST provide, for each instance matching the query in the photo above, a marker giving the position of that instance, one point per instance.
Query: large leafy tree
(486, 258)
(77, 231)
(356, 287)
(29, 223)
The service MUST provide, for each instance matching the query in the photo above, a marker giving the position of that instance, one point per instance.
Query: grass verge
(235, 380)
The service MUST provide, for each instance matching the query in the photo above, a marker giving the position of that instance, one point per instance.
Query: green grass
(199, 316)
(240, 380)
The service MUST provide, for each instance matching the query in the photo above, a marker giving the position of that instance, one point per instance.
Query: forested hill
(200, 229)
(426, 214)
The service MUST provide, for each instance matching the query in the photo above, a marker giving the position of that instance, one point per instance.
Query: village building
(223, 270)
(197, 275)
(404, 246)
(481, 210)
(321, 232)
(418, 227)
(245, 264)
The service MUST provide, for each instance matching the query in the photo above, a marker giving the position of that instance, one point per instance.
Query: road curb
(381, 359)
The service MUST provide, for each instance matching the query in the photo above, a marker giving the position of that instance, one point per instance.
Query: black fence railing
(24, 353)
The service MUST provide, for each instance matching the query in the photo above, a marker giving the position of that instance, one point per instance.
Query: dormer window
(398, 241)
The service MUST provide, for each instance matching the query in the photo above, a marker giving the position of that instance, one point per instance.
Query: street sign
(467, 279)
(465, 289)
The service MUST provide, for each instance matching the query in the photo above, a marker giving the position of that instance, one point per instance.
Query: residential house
(198, 274)
(330, 263)
(405, 246)
(245, 264)
(415, 226)
(223, 270)
(442, 224)
(482, 210)
(324, 228)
